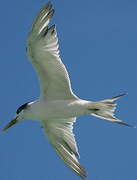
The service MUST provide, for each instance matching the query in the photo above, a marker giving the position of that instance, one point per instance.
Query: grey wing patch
(43, 52)
(70, 160)
(62, 139)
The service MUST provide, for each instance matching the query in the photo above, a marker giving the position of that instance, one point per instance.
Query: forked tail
(105, 110)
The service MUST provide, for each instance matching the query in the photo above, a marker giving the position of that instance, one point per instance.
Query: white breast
(45, 110)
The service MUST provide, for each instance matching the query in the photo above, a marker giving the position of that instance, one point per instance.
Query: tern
(57, 107)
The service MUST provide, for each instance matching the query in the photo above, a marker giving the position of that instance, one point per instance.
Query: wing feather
(60, 135)
(42, 50)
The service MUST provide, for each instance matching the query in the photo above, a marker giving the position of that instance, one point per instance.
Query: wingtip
(48, 5)
(83, 173)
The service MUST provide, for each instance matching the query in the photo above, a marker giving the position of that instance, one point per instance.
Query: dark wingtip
(48, 4)
(84, 173)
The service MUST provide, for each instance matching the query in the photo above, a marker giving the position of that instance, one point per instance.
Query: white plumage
(57, 107)
(44, 55)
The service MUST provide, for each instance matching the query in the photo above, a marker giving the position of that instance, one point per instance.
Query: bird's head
(18, 117)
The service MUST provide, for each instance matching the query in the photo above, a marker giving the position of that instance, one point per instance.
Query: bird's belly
(56, 109)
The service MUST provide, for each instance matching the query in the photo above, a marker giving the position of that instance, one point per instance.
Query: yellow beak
(11, 123)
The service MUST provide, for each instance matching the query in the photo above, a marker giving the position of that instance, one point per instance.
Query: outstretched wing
(42, 50)
(62, 138)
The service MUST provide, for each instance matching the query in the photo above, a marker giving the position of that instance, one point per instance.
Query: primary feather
(42, 49)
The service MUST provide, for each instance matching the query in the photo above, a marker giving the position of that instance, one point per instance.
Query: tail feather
(105, 110)
(114, 98)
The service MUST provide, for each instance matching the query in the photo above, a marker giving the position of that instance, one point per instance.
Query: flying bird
(57, 107)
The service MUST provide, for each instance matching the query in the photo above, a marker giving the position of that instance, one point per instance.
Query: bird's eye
(21, 108)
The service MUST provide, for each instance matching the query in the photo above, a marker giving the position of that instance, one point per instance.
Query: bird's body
(57, 106)
(56, 109)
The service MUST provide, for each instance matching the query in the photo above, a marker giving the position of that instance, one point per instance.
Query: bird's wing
(42, 50)
(60, 135)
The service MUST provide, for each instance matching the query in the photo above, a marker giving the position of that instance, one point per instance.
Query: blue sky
(98, 44)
